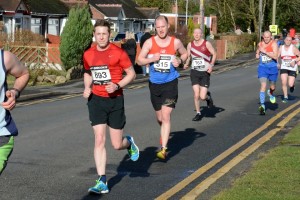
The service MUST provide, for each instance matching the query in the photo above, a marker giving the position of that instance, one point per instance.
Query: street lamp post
(186, 11)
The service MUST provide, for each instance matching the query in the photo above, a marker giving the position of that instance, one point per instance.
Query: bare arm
(297, 53)
(257, 51)
(182, 51)
(212, 51)
(15, 68)
(87, 80)
(187, 62)
(129, 77)
(272, 54)
(142, 58)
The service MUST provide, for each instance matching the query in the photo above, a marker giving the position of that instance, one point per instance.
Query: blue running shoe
(272, 98)
(99, 188)
(285, 100)
(134, 151)
(262, 109)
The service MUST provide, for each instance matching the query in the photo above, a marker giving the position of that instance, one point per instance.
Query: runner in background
(267, 52)
(202, 56)
(289, 56)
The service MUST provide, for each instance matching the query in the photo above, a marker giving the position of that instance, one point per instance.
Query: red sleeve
(124, 60)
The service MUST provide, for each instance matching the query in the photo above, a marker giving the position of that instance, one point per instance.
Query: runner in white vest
(289, 56)
(9, 64)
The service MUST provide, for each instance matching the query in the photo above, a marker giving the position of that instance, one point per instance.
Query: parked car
(121, 36)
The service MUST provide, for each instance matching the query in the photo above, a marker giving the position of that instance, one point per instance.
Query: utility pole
(260, 18)
(202, 15)
(176, 18)
(274, 13)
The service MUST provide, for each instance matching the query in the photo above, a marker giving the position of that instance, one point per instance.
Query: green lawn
(276, 176)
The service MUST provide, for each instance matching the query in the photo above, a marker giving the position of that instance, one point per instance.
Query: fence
(33, 57)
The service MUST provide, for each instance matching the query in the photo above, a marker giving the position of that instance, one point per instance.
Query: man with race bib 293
(203, 57)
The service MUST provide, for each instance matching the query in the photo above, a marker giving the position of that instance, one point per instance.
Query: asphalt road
(53, 155)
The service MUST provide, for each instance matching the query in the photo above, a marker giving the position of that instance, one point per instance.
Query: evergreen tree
(191, 27)
(76, 37)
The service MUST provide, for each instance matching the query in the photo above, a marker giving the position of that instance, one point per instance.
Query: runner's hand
(176, 62)
(111, 87)
(87, 92)
(156, 57)
(10, 103)
(210, 69)
(185, 66)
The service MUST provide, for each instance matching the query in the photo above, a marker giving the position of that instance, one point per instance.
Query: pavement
(76, 86)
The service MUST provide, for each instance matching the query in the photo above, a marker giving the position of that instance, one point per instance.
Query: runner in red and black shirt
(104, 65)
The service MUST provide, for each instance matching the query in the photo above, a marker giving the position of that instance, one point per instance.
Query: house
(42, 16)
(47, 16)
(125, 15)
(14, 15)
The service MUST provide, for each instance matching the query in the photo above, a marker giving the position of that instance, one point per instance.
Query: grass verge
(276, 176)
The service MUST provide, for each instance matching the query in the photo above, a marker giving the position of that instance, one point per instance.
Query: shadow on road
(210, 112)
(178, 141)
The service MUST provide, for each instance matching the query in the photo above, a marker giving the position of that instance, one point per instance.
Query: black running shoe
(210, 102)
(197, 117)
(292, 89)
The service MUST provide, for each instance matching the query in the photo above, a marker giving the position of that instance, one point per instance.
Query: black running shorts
(200, 78)
(289, 72)
(164, 94)
(107, 110)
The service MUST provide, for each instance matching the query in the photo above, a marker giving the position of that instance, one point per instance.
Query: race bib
(265, 58)
(164, 63)
(286, 63)
(199, 64)
(101, 75)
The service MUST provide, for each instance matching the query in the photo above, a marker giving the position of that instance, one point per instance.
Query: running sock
(271, 91)
(262, 97)
(129, 147)
(102, 178)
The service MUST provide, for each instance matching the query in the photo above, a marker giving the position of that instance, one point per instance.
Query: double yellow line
(201, 187)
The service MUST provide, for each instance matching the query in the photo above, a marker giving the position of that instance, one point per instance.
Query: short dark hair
(102, 22)
(162, 17)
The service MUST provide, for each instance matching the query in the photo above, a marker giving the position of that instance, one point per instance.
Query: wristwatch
(118, 86)
(18, 92)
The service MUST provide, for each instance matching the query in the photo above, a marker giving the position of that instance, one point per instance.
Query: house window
(36, 25)
(7, 25)
(126, 26)
(18, 23)
(53, 26)
(136, 27)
